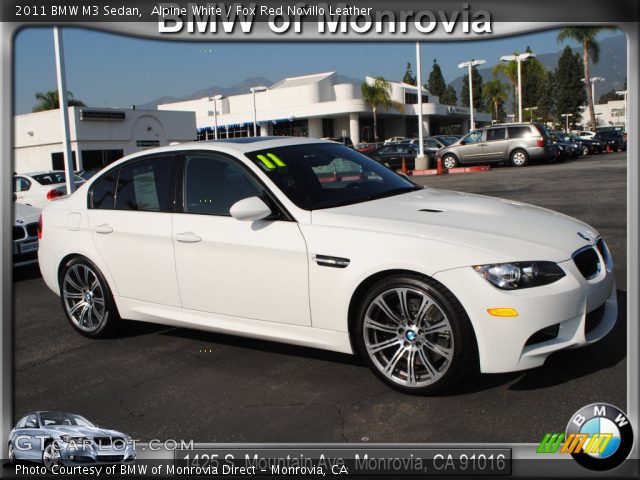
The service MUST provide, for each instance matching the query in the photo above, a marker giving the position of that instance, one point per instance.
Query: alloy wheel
(50, 456)
(408, 337)
(84, 298)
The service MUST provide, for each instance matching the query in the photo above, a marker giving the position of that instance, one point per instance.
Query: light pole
(567, 115)
(469, 65)
(215, 112)
(421, 160)
(518, 58)
(255, 113)
(624, 94)
(593, 86)
(531, 109)
(62, 100)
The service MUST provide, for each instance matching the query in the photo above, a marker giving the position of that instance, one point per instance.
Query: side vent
(430, 210)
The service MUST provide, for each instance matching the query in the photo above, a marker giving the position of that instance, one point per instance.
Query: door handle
(484, 144)
(187, 237)
(103, 228)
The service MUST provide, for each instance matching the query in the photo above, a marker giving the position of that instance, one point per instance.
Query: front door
(247, 269)
(471, 148)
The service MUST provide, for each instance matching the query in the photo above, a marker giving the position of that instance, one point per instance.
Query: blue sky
(107, 70)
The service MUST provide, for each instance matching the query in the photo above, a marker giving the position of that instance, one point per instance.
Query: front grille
(32, 229)
(18, 233)
(110, 458)
(593, 319)
(587, 262)
(102, 441)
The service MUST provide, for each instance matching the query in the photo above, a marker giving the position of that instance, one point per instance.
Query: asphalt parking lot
(158, 382)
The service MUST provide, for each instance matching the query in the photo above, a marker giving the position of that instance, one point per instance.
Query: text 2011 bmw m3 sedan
(311, 243)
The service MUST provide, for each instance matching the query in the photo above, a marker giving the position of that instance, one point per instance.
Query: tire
(12, 455)
(87, 300)
(397, 348)
(519, 158)
(449, 161)
(585, 151)
(50, 456)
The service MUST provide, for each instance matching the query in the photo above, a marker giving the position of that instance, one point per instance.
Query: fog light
(503, 312)
(72, 458)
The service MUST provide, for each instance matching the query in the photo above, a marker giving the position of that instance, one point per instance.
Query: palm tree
(586, 36)
(494, 93)
(378, 96)
(509, 70)
(50, 101)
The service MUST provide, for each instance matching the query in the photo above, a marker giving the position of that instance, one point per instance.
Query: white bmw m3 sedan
(308, 242)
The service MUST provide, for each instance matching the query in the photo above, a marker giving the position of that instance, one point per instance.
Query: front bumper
(96, 456)
(571, 312)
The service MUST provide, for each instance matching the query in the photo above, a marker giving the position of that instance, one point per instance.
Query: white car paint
(30, 191)
(273, 289)
(25, 218)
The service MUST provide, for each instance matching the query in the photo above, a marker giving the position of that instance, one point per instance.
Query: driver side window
(32, 421)
(473, 137)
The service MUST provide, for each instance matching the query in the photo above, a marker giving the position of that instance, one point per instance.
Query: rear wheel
(87, 300)
(519, 158)
(414, 334)
(449, 161)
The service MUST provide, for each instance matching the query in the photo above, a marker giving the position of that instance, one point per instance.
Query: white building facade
(98, 136)
(321, 107)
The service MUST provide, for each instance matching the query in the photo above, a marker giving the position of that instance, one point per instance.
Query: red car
(367, 147)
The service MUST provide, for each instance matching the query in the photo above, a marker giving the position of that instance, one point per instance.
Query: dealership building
(320, 106)
(98, 136)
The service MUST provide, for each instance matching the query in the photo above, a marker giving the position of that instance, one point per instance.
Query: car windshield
(52, 178)
(59, 418)
(316, 176)
(446, 141)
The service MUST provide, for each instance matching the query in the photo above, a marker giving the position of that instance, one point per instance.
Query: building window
(327, 127)
(96, 159)
(57, 161)
(291, 128)
(412, 98)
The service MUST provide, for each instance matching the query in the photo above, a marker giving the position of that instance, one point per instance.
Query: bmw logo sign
(609, 432)
(411, 335)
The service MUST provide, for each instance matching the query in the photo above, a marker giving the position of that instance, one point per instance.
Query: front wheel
(414, 334)
(87, 300)
(50, 456)
(12, 454)
(519, 158)
(449, 161)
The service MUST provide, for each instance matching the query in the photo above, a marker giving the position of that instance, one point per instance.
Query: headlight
(510, 276)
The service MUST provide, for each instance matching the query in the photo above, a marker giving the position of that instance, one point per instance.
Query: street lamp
(470, 64)
(567, 115)
(255, 115)
(215, 112)
(421, 160)
(518, 58)
(624, 94)
(593, 86)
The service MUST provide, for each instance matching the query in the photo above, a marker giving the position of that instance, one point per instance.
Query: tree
(449, 96)
(570, 94)
(478, 104)
(510, 71)
(547, 98)
(408, 76)
(436, 85)
(378, 96)
(586, 36)
(610, 95)
(533, 74)
(494, 93)
(50, 101)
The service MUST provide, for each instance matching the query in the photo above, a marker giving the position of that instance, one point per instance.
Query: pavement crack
(52, 357)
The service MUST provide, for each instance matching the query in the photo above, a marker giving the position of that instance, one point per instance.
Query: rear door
(130, 215)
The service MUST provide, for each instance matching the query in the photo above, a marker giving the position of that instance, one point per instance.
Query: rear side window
(146, 185)
(22, 422)
(102, 194)
(21, 184)
(496, 134)
(519, 132)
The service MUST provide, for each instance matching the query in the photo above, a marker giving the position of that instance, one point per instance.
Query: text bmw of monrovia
(308, 242)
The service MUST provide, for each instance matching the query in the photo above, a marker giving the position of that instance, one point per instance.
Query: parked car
(392, 155)
(585, 146)
(614, 139)
(365, 147)
(393, 140)
(587, 134)
(569, 147)
(25, 234)
(517, 143)
(431, 143)
(346, 141)
(243, 237)
(38, 188)
(66, 439)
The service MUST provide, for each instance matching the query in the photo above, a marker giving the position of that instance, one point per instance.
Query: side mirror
(252, 209)
(462, 142)
(15, 197)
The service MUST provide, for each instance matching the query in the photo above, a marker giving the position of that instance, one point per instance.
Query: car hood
(25, 214)
(507, 229)
(83, 431)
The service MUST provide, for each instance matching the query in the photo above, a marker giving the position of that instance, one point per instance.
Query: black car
(392, 155)
(569, 146)
(613, 139)
(585, 146)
